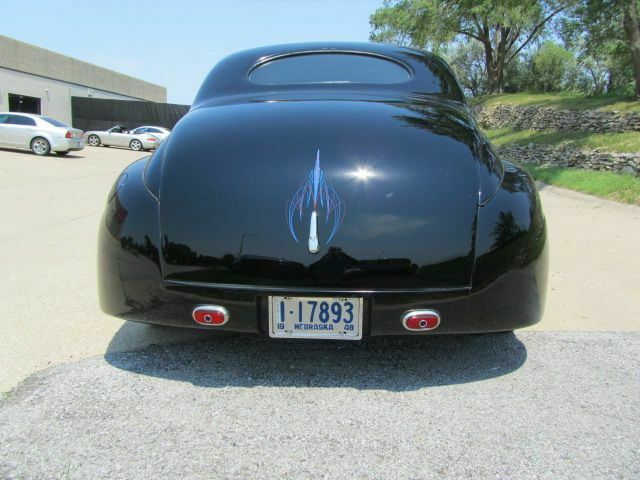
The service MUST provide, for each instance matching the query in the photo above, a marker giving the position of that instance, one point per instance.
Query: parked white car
(39, 133)
(137, 139)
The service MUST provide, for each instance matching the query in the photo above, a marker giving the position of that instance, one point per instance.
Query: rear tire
(40, 146)
(135, 145)
(94, 140)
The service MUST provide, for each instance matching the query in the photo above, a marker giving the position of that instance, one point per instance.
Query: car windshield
(55, 123)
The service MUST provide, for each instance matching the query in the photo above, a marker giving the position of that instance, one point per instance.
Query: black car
(326, 190)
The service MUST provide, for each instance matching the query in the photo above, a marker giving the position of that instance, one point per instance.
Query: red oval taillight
(68, 134)
(421, 320)
(210, 315)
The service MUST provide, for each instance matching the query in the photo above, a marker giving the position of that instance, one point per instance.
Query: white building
(36, 80)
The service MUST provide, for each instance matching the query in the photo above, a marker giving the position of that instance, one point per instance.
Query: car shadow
(51, 155)
(117, 147)
(137, 336)
(384, 363)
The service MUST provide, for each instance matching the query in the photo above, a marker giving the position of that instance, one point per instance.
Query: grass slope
(622, 188)
(610, 142)
(562, 101)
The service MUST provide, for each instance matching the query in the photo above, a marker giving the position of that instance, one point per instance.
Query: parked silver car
(39, 133)
(159, 132)
(137, 139)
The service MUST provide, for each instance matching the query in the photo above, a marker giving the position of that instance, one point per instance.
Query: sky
(174, 43)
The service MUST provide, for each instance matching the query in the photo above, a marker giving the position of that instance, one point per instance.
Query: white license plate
(315, 317)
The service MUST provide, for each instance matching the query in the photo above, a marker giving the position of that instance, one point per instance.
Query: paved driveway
(48, 301)
(48, 305)
(535, 405)
(594, 279)
(549, 404)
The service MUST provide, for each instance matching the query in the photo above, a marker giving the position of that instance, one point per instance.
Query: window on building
(24, 104)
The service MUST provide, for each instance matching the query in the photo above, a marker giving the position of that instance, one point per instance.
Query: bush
(551, 64)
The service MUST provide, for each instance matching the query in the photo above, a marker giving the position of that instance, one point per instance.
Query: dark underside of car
(332, 210)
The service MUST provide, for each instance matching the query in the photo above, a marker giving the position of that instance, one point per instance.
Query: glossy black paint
(439, 222)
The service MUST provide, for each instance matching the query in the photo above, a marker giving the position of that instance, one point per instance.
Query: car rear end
(68, 140)
(205, 238)
(333, 211)
(63, 137)
(149, 141)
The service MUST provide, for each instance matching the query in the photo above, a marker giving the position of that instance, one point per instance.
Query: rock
(563, 156)
(539, 118)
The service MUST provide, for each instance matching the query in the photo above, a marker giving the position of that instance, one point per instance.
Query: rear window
(54, 122)
(329, 68)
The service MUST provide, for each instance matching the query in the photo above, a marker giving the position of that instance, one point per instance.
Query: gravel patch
(530, 405)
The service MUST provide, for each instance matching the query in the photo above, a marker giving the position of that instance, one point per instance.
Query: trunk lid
(391, 190)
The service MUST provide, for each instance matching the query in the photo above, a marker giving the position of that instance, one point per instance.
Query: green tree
(517, 75)
(607, 32)
(502, 27)
(467, 62)
(631, 23)
(598, 73)
(551, 64)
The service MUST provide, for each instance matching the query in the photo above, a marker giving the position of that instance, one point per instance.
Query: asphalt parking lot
(134, 401)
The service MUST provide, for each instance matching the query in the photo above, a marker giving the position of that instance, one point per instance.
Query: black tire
(136, 145)
(94, 140)
(63, 153)
(40, 146)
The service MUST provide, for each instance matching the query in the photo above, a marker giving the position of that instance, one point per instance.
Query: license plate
(315, 317)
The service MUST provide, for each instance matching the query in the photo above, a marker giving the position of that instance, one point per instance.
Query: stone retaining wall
(548, 155)
(539, 118)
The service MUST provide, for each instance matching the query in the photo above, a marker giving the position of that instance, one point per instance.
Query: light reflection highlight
(363, 173)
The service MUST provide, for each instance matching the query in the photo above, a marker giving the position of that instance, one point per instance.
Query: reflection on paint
(369, 226)
(363, 173)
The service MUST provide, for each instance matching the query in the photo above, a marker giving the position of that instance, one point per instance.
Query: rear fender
(44, 135)
(129, 266)
(511, 252)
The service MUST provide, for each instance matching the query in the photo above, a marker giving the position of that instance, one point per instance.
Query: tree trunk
(632, 29)
(492, 82)
(501, 56)
(488, 65)
(495, 56)
(499, 73)
(494, 65)
(610, 83)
